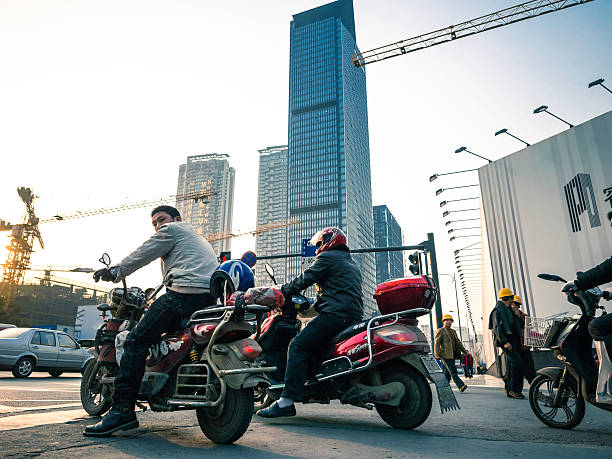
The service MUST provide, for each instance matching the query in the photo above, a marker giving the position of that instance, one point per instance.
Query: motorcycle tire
(96, 399)
(415, 405)
(546, 414)
(229, 421)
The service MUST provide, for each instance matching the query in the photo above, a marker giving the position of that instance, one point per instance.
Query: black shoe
(116, 419)
(275, 411)
(513, 394)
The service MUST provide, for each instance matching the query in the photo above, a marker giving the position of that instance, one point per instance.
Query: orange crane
(507, 16)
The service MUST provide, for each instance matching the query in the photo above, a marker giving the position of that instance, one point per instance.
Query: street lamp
(462, 220)
(544, 108)
(599, 82)
(468, 247)
(467, 235)
(452, 230)
(505, 131)
(443, 203)
(456, 301)
(446, 213)
(435, 176)
(440, 190)
(460, 149)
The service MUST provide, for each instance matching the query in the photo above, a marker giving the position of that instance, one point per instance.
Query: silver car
(23, 350)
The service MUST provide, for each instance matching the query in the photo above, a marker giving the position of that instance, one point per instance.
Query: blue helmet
(238, 275)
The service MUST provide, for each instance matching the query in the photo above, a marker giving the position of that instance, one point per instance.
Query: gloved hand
(570, 287)
(607, 295)
(105, 274)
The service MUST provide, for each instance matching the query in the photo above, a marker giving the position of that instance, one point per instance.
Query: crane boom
(521, 12)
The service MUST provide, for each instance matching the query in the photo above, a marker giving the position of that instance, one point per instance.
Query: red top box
(404, 294)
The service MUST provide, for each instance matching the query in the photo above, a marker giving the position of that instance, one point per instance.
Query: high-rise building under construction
(213, 216)
(329, 155)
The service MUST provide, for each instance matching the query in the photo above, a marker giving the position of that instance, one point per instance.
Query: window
(66, 341)
(47, 338)
(35, 338)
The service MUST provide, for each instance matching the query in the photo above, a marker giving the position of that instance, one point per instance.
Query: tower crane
(507, 16)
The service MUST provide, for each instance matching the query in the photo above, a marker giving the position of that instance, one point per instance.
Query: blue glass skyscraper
(329, 153)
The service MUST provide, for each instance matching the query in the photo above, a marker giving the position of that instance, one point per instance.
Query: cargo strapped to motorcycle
(344, 361)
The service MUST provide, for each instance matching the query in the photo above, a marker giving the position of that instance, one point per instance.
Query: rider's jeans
(601, 330)
(314, 340)
(165, 314)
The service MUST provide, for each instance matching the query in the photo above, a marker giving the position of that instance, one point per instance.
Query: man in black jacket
(339, 304)
(600, 328)
(507, 332)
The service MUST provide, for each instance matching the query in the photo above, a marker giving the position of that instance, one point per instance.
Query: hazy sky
(101, 101)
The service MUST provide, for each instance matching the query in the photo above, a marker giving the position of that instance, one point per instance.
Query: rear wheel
(95, 396)
(415, 405)
(24, 367)
(55, 373)
(541, 396)
(229, 421)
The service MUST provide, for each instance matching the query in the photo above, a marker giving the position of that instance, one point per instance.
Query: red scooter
(383, 362)
(207, 365)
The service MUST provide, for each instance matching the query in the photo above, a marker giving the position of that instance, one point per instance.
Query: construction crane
(490, 21)
(260, 229)
(24, 234)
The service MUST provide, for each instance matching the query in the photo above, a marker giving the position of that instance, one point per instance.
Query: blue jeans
(450, 371)
(164, 315)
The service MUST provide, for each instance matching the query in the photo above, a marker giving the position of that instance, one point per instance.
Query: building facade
(387, 233)
(329, 156)
(211, 218)
(271, 208)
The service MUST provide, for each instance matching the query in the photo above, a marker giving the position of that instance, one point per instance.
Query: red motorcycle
(208, 365)
(383, 362)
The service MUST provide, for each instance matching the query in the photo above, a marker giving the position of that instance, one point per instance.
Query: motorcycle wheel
(229, 421)
(541, 395)
(415, 406)
(261, 398)
(95, 398)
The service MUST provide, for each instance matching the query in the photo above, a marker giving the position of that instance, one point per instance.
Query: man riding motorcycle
(339, 304)
(188, 261)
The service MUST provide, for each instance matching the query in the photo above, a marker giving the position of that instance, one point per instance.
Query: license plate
(431, 365)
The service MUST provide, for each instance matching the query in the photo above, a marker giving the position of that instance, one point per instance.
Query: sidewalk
(484, 380)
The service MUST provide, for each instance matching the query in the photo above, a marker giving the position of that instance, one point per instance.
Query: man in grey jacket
(187, 261)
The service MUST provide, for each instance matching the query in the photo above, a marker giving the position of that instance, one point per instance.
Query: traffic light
(224, 256)
(415, 263)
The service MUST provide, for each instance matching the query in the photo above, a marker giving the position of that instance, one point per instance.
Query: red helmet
(328, 238)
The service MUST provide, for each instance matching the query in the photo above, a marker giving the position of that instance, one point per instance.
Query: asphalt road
(40, 417)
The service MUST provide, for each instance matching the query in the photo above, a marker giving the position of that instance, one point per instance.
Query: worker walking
(447, 348)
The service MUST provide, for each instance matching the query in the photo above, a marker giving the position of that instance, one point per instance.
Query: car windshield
(13, 332)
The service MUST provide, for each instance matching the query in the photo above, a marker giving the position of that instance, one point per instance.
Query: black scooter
(557, 395)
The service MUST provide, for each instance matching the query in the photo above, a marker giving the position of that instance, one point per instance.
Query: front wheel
(229, 421)
(56, 373)
(415, 405)
(95, 396)
(541, 396)
(24, 367)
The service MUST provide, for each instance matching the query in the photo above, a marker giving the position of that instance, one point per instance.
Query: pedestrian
(469, 365)
(447, 348)
(507, 334)
(528, 365)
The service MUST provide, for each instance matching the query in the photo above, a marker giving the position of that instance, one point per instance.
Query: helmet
(517, 299)
(328, 238)
(237, 274)
(447, 317)
(505, 292)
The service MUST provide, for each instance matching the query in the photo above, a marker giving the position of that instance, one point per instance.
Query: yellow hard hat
(505, 292)
(447, 317)
(517, 299)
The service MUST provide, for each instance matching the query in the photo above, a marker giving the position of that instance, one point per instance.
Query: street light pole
(599, 82)
(544, 108)
(505, 131)
(460, 149)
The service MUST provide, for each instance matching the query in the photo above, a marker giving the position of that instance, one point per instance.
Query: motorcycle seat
(351, 330)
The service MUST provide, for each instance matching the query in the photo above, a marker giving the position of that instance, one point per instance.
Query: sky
(100, 102)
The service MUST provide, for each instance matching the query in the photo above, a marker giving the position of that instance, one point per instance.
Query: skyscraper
(329, 153)
(272, 207)
(387, 233)
(208, 172)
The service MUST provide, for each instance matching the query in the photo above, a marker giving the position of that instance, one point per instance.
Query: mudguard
(553, 373)
(225, 359)
(446, 398)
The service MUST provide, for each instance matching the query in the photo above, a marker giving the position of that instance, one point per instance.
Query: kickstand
(141, 406)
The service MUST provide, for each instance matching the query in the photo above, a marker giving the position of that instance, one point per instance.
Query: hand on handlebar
(508, 346)
(570, 287)
(105, 274)
(607, 295)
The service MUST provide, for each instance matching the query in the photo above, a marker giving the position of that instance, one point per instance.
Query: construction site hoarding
(545, 210)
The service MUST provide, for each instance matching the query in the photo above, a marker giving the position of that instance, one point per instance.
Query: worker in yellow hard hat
(528, 364)
(507, 335)
(447, 348)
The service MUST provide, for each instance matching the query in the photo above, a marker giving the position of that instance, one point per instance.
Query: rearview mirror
(270, 271)
(105, 259)
(551, 277)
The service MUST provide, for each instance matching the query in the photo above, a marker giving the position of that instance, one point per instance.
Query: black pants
(450, 371)
(312, 341)
(528, 365)
(601, 330)
(165, 314)
(514, 368)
